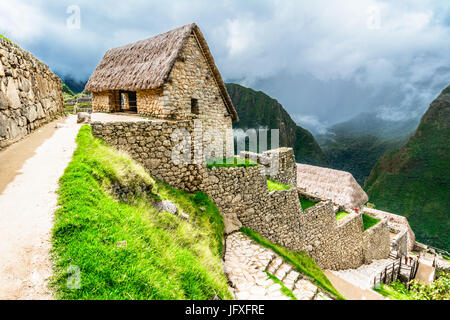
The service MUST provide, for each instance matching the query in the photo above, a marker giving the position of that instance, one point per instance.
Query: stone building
(170, 76)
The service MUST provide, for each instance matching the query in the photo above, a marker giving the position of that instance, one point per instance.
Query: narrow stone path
(246, 264)
(27, 206)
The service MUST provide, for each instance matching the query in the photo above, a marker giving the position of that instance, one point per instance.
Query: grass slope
(369, 221)
(306, 204)
(275, 186)
(230, 163)
(414, 180)
(257, 110)
(341, 215)
(301, 261)
(129, 250)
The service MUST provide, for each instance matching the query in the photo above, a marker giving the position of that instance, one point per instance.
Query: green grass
(229, 163)
(306, 204)
(369, 221)
(284, 290)
(274, 186)
(2, 36)
(394, 291)
(301, 262)
(129, 250)
(341, 215)
(446, 258)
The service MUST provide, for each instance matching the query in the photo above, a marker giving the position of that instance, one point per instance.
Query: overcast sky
(325, 61)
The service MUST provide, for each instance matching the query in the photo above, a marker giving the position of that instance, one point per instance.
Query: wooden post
(392, 275)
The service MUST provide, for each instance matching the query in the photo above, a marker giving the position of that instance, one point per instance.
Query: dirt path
(27, 205)
(13, 158)
(425, 273)
(350, 291)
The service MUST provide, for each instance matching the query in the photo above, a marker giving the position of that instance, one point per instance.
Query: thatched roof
(339, 186)
(146, 64)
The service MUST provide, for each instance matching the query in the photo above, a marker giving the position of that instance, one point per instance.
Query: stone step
(304, 290)
(290, 279)
(282, 271)
(274, 265)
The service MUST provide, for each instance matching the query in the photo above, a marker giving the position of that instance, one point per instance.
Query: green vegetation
(284, 290)
(306, 204)
(129, 250)
(414, 180)
(66, 90)
(438, 290)
(394, 291)
(301, 262)
(2, 36)
(341, 215)
(274, 186)
(257, 110)
(357, 144)
(229, 163)
(369, 221)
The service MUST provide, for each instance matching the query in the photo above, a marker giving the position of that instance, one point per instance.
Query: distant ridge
(256, 109)
(414, 180)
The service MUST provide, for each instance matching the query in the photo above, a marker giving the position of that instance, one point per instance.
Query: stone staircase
(246, 264)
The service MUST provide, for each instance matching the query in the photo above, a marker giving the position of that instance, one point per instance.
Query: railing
(404, 269)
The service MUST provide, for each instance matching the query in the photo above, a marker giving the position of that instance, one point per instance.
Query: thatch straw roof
(339, 186)
(146, 64)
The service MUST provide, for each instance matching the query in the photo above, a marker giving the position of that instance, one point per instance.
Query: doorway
(128, 101)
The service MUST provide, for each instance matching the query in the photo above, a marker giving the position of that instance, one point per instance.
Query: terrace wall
(242, 196)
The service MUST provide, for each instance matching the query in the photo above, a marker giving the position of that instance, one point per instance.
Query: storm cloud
(325, 61)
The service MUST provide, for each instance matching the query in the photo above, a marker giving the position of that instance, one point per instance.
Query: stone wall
(396, 222)
(192, 78)
(280, 164)
(375, 244)
(151, 103)
(150, 143)
(104, 101)
(243, 198)
(30, 93)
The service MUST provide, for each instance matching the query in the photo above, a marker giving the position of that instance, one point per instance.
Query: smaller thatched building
(339, 186)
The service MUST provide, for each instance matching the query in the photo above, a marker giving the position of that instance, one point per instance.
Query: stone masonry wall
(30, 93)
(103, 101)
(192, 78)
(243, 198)
(150, 143)
(280, 164)
(397, 222)
(151, 103)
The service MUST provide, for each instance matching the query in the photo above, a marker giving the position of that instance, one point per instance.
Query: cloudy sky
(324, 60)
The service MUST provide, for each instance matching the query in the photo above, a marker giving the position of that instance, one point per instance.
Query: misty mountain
(357, 144)
(414, 180)
(76, 86)
(258, 110)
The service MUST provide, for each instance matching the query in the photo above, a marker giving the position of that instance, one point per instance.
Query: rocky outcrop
(30, 93)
